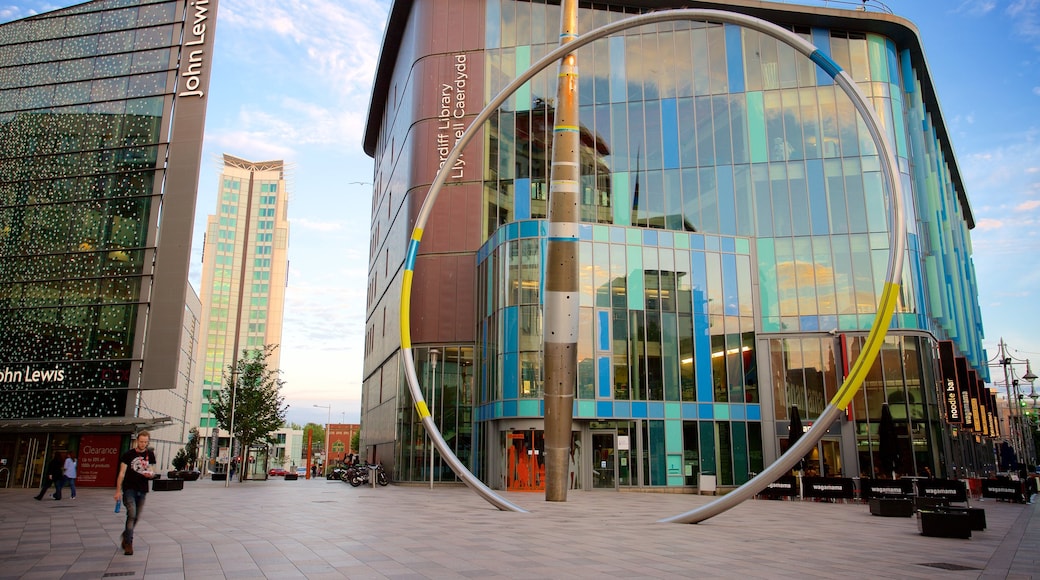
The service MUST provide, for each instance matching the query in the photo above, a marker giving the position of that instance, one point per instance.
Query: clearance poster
(98, 460)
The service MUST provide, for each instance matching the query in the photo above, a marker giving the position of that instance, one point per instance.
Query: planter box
(923, 503)
(219, 476)
(943, 524)
(891, 507)
(167, 484)
(976, 516)
(291, 476)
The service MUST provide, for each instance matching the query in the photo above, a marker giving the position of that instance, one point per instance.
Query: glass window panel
(775, 137)
(752, 60)
(708, 196)
(654, 158)
(799, 199)
(705, 132)
(691, 202)
(738, 125)
(687, 133)
(762, 200)
(786, 277)
(742, 196)
(683, 48)
(782, 223)
(701, 79)
(806, 276)
(619, 332)
(722, 131)
(793, 147)
(824, 264)
(857, 209)
(717, 60)
(673, 208)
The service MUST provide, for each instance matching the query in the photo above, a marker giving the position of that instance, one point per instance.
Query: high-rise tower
(244, 269)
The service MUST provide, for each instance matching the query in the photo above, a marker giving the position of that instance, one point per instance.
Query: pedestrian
(52, 476)
(136, 467)
(69, 474)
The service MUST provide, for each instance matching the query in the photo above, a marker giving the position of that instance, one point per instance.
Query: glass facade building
(91, 154)
(732, 251)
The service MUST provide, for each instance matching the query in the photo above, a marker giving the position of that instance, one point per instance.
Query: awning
(83, 424)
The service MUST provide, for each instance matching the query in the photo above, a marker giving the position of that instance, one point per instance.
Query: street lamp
(231, 434)
(325, 461)
(434, 353)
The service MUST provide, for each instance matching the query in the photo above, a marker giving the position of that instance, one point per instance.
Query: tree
(191, 450)
(355, 441)
(317, 435)
(258, 402)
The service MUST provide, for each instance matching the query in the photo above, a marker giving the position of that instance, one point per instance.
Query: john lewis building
(733, 247)
(102, 107)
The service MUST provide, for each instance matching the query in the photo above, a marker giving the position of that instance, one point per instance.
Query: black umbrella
(794, 433)
(1008, 459)
(888, 442)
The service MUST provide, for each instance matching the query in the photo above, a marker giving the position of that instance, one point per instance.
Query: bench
(891, 507)
(943, 524)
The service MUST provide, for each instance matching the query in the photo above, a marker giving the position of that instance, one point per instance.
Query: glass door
(604, 460)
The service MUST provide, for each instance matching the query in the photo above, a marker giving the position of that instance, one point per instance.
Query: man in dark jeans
(136, 468)
(52, 476)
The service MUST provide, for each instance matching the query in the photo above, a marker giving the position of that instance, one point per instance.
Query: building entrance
(525, 467)
(604, 460)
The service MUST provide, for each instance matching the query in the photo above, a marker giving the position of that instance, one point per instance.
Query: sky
(292, 80)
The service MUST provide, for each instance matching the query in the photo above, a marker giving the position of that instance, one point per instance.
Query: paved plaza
(327, 529)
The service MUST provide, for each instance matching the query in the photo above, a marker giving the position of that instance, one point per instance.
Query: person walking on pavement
(52, 476)
(69, 474)
(136, 468)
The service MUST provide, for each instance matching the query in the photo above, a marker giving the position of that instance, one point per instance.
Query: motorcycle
(362, 475)
(336, 473)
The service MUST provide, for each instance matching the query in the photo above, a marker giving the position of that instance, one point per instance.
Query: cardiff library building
(102, 107)
(733, 247)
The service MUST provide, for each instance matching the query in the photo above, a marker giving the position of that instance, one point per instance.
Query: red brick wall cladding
(445, 271)
(341, 433)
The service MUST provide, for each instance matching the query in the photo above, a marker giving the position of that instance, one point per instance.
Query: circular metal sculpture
(886, 305)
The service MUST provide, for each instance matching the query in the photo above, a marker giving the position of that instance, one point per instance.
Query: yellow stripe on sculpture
(871, 348)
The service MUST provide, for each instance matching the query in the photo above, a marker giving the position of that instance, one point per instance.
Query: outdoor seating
(976, 516)
(943, 524)
(930, 502)
(891, 507)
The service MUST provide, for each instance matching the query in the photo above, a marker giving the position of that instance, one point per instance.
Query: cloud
(1028, 205)
(988, 224)
(320, 74)
(1036, 91)
(1025, 16)
(975, 7)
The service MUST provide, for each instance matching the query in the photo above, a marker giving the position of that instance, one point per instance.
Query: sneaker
(128, 548)
(38, 497)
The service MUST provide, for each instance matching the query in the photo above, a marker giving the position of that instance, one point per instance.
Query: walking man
(52, 476)
(69, 472)
(136, 467)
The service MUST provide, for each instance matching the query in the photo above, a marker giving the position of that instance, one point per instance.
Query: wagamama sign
(449, 118)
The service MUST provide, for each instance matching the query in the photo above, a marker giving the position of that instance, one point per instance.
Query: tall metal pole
(1014, 426)
(433, 401)
(560, 346)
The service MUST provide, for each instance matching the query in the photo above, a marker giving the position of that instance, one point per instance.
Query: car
(301, 471)
(276, 472)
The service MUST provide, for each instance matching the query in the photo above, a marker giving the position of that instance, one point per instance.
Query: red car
(276, 471)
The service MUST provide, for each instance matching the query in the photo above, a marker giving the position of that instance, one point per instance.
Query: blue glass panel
(510, 328)
(529, 229)
(734, 58)
(618, 80)
(730, 290)
(523, 94)
(828, 322)
(821, 37)
(722, 411)
(603, 330)
(493, 20)
(585, 232)
(639, 410)
(754, 412)
(705, 411)
(664, 239)
(522, 199)
(498, 410)
(702, 354)
(670, 133)
(699, 281)
(585, 409)
(621, 409)
(655, 410)
(712, 243)
(529, 408)
(622, 200)
(728, 245)
(818, 214)
(737, 412)
(617, 235)
(908, 71)
(809, 323)
(696, 242)
(727, 207)
(510, 380)
(649, 237)
(603, 381)
(689, 410)
(512, 230)
(604, 409)
(509, 408)
(893, 63)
